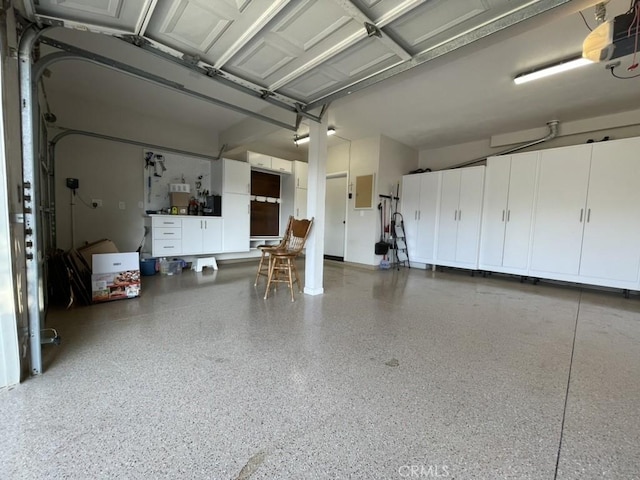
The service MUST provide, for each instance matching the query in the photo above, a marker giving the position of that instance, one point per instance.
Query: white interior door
(335, 216)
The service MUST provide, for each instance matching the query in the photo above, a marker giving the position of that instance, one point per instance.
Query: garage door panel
(119, 14)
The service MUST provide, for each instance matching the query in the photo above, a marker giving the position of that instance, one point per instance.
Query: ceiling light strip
(549, 70)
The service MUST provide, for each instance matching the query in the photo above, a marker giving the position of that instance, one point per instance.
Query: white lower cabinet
(183, 235)
(509, 193)
(201, 235)
(458, 230)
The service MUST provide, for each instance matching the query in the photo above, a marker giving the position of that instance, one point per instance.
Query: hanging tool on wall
(159, 167)
(148, 163)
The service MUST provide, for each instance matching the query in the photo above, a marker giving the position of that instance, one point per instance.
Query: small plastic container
(148, 266)
(171, 267)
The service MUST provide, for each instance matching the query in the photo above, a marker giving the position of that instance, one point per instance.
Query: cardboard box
(115, 276)
(179, 199)
(101, 246)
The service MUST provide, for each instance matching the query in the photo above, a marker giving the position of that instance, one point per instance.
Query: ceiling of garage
(301, 54)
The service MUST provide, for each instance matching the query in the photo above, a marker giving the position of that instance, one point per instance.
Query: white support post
(316, 193)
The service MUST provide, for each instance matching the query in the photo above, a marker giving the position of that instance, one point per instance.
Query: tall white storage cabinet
(587, 225)
(505, 238)
(611, 242)
(459, 218)
(420, 199)
(560, 210)
(233, 179)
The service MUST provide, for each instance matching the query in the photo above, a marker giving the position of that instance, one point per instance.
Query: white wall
(111, 171)
(396, 160)
(570, 133)
(388, 160)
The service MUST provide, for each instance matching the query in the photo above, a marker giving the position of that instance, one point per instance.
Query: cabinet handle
(419, 214)
(503, 215)
(297, 212)
(205, 225)
(168, 247)
(508, 215)
(588, 215)
(297, 182)
(200, 224)
(459, 215)
(415, 215)
(455, 215)
(581, 214)
(169, 233)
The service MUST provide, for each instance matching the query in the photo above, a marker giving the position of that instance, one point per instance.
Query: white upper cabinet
(267, 162)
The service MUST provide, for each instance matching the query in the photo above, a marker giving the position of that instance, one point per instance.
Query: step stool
(204, 262)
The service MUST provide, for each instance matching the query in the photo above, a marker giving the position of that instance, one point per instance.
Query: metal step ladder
(399, 244)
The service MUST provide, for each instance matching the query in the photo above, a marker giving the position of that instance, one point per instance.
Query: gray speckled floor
(389, 375)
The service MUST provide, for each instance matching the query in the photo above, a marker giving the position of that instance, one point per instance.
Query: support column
(316, 193)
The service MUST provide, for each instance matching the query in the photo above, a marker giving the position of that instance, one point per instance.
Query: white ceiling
(283, 46)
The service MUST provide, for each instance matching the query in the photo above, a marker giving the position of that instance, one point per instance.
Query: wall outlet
(96, 202)
(122, 205)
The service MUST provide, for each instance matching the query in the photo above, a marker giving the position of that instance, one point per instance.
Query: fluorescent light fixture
(305, 138)
(559, 67)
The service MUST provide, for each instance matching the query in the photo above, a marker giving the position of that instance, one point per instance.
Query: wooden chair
(282, 262)
(263, 266)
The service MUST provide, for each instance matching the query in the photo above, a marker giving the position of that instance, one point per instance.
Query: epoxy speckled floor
(389, 375)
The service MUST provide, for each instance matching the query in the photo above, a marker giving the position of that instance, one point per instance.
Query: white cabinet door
(409, 209)
(237, 177)
(519, 214)
(427, 218)
(301, 174)
(560, 210)
(448, 222)
(611, 244)
(300, 210)
(236, 215)
(191, 235)
(494, 211)
(469, 216)
(211, 235)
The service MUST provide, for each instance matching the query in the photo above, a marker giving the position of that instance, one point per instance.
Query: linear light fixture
(563, 66)
(301, 140)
